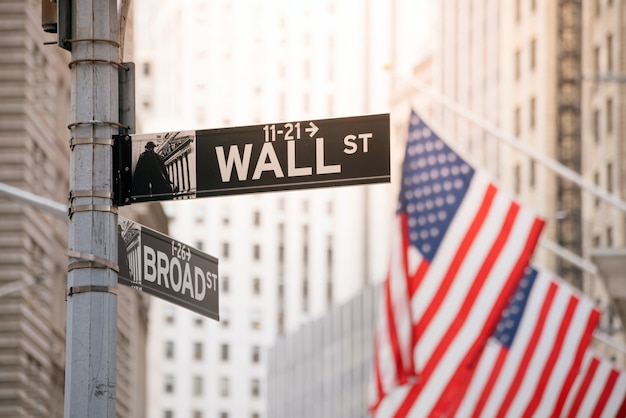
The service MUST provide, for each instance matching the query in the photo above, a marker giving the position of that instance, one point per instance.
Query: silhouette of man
(122, 256)
(150, 177)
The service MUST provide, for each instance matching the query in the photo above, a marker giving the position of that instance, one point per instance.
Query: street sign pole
(90, 379)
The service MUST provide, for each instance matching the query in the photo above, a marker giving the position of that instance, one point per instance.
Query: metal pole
(90, 381)
(55, 208)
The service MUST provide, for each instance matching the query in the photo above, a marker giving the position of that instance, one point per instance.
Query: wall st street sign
(250, 159)
(171, 270)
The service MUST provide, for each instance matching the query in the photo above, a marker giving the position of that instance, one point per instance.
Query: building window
(517, 119)
(255, 388)
(256, 286)
(255, 319)
(533, 52)
(531, 112)
(609, 115)
(255, 415)
(280, 322)
(169, 383)
(197, 414)
(256, 252)
(596, 125)
(225, 318)
(305, 295)
(169, 314)
(256, 354)
(609, 177)
(609, 236)
(224, 387)
(168, 414)
(198, 321)
(225, 282)
(223, 414)
(533, 168)
(518, 64)
(329, 293)
(197, 351)
(281, 291)
(596, 60)
(225, 250)
(609, 53)
(596, 181)
(197, 385)
(224, 352)
(517, 179)
(256, 218)
(169, 349)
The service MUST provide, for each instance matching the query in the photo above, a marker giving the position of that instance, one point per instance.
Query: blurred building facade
(284, 258)
(549, 74)
(34, 156)
(323, 369)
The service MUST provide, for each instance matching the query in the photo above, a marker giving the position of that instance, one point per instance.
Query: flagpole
(514, 142)
(606, 339)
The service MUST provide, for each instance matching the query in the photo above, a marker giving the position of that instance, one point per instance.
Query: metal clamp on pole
(90, 261)
(90, 141)
(90, 288)
(89, 193)
(91, 208)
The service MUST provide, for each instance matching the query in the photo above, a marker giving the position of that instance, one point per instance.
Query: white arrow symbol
(312, 130)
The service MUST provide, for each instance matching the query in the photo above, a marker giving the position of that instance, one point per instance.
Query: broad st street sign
(250, 159)
(166, 268)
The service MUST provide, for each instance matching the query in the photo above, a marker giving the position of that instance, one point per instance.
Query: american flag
(599, 391)
(529, 366)
(460, 248)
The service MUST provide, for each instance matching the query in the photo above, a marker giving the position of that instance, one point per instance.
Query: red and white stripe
(534, 376)
(393, 339)
(599, 391)
(457, 300)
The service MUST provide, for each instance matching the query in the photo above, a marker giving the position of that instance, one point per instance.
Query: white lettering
(198, 275)
(365, 137)
(241, 163)
(149, 263)
(263, 165)
(319, 159)
(187, 281)
(176, 277)
(163, 268)
(210, 277)
(292, 170)
(348, 141)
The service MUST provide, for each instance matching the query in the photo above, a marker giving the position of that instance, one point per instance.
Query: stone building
(34, 156)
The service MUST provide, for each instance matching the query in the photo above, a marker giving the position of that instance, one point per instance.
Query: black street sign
(250, 159)
(166, 268)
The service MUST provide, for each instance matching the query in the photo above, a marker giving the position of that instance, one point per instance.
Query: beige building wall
(34, 156)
